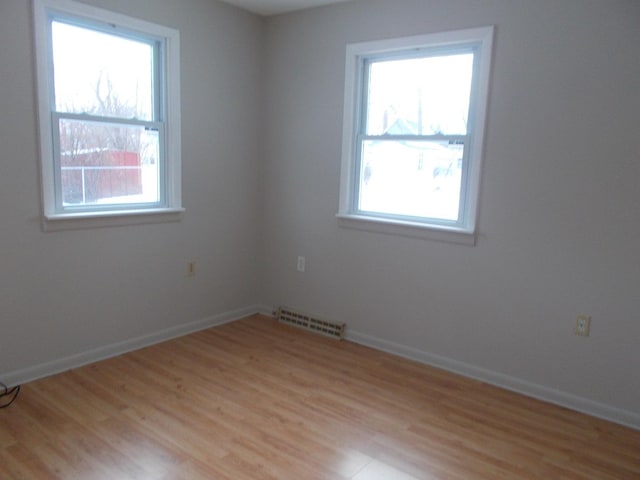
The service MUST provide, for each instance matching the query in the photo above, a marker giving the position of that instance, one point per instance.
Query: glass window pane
(419, 96)
(412, 178)
(101, 74)
(108, 164)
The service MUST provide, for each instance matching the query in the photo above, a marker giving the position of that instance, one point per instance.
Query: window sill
(82, 221)
(407, 229)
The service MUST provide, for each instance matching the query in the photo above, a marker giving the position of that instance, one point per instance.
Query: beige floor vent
(307, 322)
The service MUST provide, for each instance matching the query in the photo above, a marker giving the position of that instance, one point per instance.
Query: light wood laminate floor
(257, 400)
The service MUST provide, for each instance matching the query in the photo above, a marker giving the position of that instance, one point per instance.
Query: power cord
(8, 392)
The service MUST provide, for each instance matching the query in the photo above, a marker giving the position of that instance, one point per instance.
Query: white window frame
(464, 230)
(169, 208)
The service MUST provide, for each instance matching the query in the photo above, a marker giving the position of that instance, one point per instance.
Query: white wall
(68, 293)
(559, 219)
(559, 211)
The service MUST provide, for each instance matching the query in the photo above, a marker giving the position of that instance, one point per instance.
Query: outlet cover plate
(583, 325)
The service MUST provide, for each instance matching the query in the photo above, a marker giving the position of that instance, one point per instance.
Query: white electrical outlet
(301, 264)
(583, 325)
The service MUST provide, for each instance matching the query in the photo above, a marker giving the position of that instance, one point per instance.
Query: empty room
(319, 239)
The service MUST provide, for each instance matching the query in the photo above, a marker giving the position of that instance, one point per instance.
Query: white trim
(269, 311)
(353, 95)
(407, 229)
(541, 392)
(100, 15)
(111, 218)
(173, 121)
(558, 397)
(172, 176)
(35, 372)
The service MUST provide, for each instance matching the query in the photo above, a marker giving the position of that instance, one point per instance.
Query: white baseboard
(558, 397)
(35, 372)
(541, 392)
(267, 310)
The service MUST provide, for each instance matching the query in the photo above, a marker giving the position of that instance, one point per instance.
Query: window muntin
(413, 131)
(414, 126)
(107, 122)
(109, 112)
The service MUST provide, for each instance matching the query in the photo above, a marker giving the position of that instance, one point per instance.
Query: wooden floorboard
(254, 399)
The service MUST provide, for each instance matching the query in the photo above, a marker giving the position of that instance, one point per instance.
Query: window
(413, 134)
(108, 97)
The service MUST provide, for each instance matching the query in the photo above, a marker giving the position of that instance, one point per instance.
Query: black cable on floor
(12, 393)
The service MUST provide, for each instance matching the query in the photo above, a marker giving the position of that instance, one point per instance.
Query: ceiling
(274, 7)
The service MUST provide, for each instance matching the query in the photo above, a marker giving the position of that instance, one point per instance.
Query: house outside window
(413, 134)
(109, 112)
